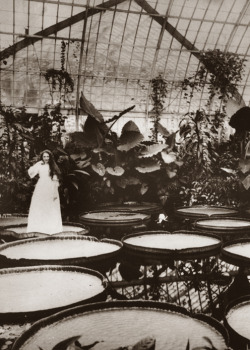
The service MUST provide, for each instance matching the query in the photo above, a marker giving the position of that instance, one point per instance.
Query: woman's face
(46, 157)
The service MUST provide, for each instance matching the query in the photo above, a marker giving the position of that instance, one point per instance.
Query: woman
(45, 212)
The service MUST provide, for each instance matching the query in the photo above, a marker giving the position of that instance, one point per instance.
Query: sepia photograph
(124, 174)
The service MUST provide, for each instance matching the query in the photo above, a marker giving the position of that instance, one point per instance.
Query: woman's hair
(54, 169)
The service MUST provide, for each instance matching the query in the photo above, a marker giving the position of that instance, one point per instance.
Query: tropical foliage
(14, 158)
(125, 168)
(211, 174)
(23, 137)
(97, 165)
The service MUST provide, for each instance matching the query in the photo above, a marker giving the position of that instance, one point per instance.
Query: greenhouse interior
(124, 175)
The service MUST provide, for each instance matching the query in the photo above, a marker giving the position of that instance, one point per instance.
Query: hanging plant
(59, 80)
(158, 95)
(226, 69)
(220, 71)
(63, 50)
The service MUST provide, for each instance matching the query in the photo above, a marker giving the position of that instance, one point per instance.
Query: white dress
(45, 211)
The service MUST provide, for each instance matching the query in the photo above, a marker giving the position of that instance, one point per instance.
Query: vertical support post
(80, 65)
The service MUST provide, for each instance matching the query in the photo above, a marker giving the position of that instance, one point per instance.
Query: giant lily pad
(124, 325)
(54, 288)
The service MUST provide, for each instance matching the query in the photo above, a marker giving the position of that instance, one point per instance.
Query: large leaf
(117, 171)
(130, 136)
(124, 182)
(162, 130)
(229, 171)
(130, 126)
(148, 166)
(168, 158)
(170, 141)
(241, 119)
(94, 130)
(2, 131)
(75, 184)
(63, 345)
(81, 172)
(83, 163)
(78, 156)
(89, 109)
(83, 140)
(144, 188)
(151, 150)
(99, 169)
(24, 132)
(171, 173)
(73, 344)
(163, 199)
(92, 136)
(179, 162)
(129, 140)
(244, 165)
(145, 343)
(247, 152)
(106, 150)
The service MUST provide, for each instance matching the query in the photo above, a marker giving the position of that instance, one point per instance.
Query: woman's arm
(34, 169)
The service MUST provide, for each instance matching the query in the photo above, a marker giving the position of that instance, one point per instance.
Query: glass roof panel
(113, 55)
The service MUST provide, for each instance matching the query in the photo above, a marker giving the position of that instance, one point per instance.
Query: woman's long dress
(45, 211)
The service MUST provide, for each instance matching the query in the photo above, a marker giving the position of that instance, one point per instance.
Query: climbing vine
(158, 95)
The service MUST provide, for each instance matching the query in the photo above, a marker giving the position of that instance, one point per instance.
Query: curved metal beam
(171, 29)
(177, 35)
(55, 28)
